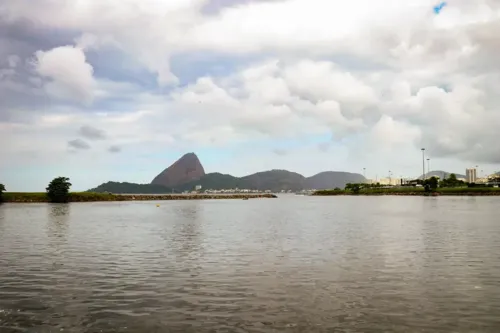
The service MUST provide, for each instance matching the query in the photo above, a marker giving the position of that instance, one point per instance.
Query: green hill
(130, 188)
(216, 181)
(273, 180)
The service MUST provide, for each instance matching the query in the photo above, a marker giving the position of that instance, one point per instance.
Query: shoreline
(35, 197)
(410, 194)
(459, 192)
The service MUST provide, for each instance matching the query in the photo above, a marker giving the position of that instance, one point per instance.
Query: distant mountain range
(187, 172)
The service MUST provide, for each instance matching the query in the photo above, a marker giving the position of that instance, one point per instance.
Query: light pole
(423, 163)
(364, 172)
(428, 165)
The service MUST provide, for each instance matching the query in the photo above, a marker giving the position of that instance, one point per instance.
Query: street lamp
(364, 172)
(423, 163)
(428, 165)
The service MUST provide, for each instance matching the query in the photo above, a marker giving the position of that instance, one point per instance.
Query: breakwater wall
(96, 197)
(151, 197)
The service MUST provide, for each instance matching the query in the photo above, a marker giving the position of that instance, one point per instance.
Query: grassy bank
(415, 191)
(93, 197)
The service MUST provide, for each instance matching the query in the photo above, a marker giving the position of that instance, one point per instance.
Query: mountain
(131, 188)
(186, 169)
(275, 180)
(332, 179)
(216, 181)
(441, 174)
(187, 172)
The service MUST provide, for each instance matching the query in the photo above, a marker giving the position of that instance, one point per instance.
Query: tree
(451, 181)
(2, 189)
(58, 189)
(431, 184)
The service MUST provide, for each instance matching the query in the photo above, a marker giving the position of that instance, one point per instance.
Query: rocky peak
(186, 169)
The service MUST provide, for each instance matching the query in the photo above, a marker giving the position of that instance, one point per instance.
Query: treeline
(57, 191)
(450, 185)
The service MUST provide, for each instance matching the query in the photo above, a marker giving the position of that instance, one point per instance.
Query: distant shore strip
(415, 191)
(26, 197)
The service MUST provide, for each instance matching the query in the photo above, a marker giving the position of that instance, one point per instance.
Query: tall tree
(58, 189)
(431, 184)
(2, 189)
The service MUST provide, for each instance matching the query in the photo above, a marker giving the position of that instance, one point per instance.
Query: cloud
(78, 144)
(324, 146)
(92, 133)
(114, 149)
(69, 76)
(13, 60)
(332, 77)
(280, 152)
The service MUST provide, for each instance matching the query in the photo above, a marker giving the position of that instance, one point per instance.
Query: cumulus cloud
(69, 76)
(378, 77)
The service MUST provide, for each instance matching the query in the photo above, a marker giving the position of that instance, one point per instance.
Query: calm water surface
(292, 264)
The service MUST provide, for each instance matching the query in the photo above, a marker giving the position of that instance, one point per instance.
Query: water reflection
(57, 221)
(187, 229)
(2, 216)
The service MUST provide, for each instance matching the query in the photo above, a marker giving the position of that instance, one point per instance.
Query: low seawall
(96, 197)
(151, 197)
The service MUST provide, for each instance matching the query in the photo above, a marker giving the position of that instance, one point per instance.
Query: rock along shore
(98, 197)
(152, 197)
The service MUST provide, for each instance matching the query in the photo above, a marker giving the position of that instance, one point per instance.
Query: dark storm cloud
(23, 37)
(78, 144)
(20, 89)
(92, 133)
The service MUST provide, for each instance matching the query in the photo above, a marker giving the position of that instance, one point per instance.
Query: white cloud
(69, 75)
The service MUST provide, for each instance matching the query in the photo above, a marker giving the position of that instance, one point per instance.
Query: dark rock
(186, 169)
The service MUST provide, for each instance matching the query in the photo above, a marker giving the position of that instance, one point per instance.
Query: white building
(385, 181)
(470, 175)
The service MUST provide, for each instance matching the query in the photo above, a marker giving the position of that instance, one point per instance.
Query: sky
(117, 90)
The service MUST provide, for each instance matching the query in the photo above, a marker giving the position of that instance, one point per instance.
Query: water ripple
(295, 264)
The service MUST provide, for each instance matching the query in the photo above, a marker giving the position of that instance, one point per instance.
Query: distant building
(389, 181)
(197, 187)
(470, 175)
